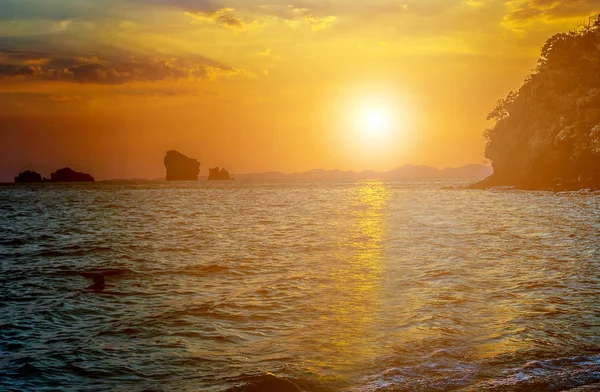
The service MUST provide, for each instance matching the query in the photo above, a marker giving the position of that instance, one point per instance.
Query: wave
(12, 242)
(73, 250)
(202, 270)
(90, 273)
(496, 375)
(269, 382)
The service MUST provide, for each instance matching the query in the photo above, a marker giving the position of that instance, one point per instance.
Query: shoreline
(591, 185)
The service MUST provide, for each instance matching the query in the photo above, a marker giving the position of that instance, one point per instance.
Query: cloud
(297, 9)
(22, 57)
(527, 10)
(62, 98)
(63, 25)
(39, 9)
(122, 41)
(224, 16)
(91, 69)
(320, 23)
(295, 17)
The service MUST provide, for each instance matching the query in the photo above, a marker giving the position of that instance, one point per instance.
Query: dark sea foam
(353, 286)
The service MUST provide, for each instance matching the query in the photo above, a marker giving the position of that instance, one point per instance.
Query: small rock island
(28, 176)
(180, 167)
(65, 174)
(218, 175)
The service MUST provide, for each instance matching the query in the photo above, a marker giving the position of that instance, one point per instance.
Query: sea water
(334, 286)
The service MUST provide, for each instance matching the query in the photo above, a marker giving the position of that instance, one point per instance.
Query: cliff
(181, 168)
(28, 176)
(69, 175)
(218, 175)
(547, 134)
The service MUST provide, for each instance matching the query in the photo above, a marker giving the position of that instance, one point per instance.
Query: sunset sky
(107, 86)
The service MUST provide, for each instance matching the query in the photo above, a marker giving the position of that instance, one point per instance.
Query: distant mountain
(403, 172)
(135, 179)
(473, 172)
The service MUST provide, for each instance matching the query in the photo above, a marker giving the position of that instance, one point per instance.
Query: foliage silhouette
(547, 134)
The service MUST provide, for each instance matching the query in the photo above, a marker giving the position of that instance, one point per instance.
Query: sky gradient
(107, 86)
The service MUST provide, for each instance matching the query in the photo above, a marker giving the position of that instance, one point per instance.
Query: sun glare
(370, 123)
(375, 121)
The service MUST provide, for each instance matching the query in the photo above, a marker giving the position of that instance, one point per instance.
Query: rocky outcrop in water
(547, 134)
(28, 176)
(67, 174)
(61, 175)
(218, 175)
(181, 168)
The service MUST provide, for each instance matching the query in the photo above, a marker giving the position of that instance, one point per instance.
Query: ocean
(312, 286)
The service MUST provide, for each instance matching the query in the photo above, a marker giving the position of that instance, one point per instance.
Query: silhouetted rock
(219, 175)
(28, 176)
(99, 283)
(69, 175)
(181, 168)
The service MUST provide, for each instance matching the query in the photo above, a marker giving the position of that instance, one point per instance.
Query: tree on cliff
(549, 130)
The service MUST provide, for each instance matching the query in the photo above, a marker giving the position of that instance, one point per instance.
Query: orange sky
(107, 86)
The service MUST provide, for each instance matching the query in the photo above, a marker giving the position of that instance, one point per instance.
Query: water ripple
(349, 286)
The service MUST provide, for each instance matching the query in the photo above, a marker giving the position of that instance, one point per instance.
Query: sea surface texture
(333, 286)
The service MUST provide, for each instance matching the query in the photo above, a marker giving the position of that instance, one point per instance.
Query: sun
(375, 121)
(370, 120)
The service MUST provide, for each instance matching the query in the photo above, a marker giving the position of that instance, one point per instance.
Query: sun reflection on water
(356, 279)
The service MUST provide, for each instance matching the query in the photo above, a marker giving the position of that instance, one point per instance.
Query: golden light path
(356, 281)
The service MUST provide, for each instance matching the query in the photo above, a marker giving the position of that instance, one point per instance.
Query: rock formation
(218, 175)
(547, 134)
(28, 176)
(181, 168)
(69, 175)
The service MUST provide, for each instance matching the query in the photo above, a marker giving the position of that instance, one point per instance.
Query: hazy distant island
(218, 175)
(547, 134)
(406, 172)
(188, 169)
(65, 174)
(180, 167)
(69, 175)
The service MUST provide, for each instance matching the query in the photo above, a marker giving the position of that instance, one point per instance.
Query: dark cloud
(57, 10)
(203, 5)
(41, 66)
(18, 57)
(44, 9)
